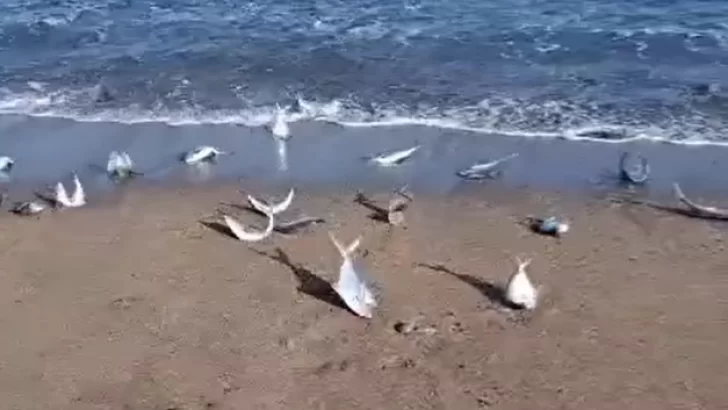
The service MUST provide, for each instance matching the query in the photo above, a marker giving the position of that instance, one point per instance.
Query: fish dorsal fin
(248, 236)
(79, 195)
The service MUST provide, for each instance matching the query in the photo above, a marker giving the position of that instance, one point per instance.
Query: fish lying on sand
(28, 208)
(249, 236)
(351, 287)
(636, 174)
(548, 226)
(393, 158)
(520, 291)
(284, 227)
(203, 153)
(485, 170)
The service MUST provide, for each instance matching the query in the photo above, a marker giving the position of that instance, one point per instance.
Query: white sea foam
(502, 116)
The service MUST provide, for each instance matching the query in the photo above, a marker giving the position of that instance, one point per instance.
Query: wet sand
(132, 303)
(330, 155)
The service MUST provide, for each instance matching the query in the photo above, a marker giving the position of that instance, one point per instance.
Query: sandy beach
(132, 303)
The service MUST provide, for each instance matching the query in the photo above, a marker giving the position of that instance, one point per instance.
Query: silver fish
(393, 158)
(485, 170)
(638, 173)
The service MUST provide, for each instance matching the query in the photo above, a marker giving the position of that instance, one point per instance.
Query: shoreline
(328, 155)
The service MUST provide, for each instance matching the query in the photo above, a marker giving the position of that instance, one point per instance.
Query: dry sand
(136, 305)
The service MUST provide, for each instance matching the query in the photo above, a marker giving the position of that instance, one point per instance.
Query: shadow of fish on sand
(378, 214)
(219, 228)
(308, 282)
(493, 292)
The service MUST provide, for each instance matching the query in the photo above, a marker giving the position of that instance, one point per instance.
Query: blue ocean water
(597, 68)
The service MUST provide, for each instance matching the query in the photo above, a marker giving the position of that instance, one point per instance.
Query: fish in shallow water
(485, 170)
(393, 158)
(202, 153)
(279, 126)
(635, 174)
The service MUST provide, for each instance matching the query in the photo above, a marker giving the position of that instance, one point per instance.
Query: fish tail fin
(510, 156)
(523, 263)
(645, 165)
(61, 194)
(338, 245)
(345, 252)
(353, 246)
(260, 205)
(623, 161)
(678, 192)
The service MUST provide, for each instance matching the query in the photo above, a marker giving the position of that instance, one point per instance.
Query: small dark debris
(408, 363)
(401, 327)
(483, 402)
(457, 327)
(343, 365)
(124, 302)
